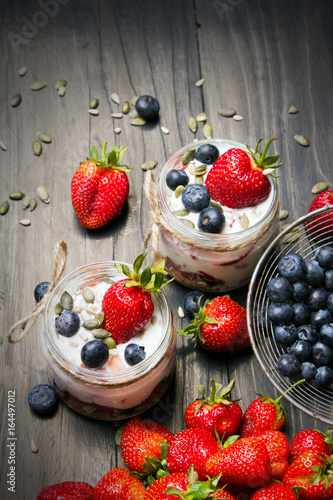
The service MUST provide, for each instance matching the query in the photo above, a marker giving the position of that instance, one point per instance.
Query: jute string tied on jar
(26, 323)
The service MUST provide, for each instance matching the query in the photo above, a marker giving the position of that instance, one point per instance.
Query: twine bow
(26, 323)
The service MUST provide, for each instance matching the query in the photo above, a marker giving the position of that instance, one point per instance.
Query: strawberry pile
(222, 453)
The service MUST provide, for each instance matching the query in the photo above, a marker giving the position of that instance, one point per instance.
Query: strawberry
(119, 484)
(157, 491)
(274, 491)
(321, 225)
(237, 178)
(263, 414)
(127, 305)
(68, 490)
(220, 325)
(191, 446)
(216, 413)
(100, 187)
(245, 462)
(141, 440)
(278, 449)
(311, 472)
(310, 439)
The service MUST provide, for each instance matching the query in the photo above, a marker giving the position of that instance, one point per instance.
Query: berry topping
(148, 107)
(195, 197)
(43, 399)
(211, 220)
(176, 178)
(40, 290)
(67, 323)
(134, 354)
(207, 153)
(192, 301)
(94, 353)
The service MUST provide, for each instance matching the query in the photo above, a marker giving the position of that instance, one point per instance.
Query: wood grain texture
(258, 56)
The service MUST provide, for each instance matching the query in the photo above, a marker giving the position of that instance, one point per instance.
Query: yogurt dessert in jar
(95, 372)
(216, 217)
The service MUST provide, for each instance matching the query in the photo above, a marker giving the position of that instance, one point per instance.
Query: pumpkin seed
(115, 98)
(192, 123)
(188, 223)
(110, 342)
(44, 137)
(302, 140)
(227, 112)
(58, 309)
(25, 222)
(37, 85)
(94, 103)
(283, 214)
(201, 117)
(3, 146)
(117, 115)
(108, 280)
(94, 112)
(22, 71)
(61, 83)
(4, 207)
(134, 114)
(33, 204)
(125, 107)
(117, 130)
(25, 202)
(62, 91)
(200, 82)
(319, 187)
(216, 204)
(199, 179)
(244, 221)
(91, 324)
(149, 165)
(100, 333)
(200, 169)
(43, 195)
(165, 130)
(188, 156)
(181, 313)
(16, 195)
(88, 295)
(66, 301)
(293, 230)
(15, 100)
(33, 446)
(238, 118)
(290, 238)
(268, 171)
(207, 131)
(100, 317)
(179, 190)
(181, 213)
(138, 121)
(293, 110)
(134, 99)
(37, 147)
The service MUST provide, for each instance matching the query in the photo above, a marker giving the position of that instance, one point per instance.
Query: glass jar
(213, 262)
(97, 393)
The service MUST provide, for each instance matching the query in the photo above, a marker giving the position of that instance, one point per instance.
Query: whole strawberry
(118, 484)
(311, 472)
(310, 439)
(219, 326)
(216, 413)
(321, 225)
(127, 305)
(237, 178)
(245, 462)
(274, 491)
(100, 187)
(67, 491)
(261, 415)
(278, 449)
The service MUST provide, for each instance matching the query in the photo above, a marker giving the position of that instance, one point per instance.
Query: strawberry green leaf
(159, 280)
(145, 277)
(93, 154)
(130, 283)
(126, 270)
(138, 262)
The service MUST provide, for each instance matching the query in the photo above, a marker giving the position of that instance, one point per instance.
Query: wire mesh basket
(304, 237)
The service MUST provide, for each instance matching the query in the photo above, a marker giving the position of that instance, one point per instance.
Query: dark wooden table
(258, 56)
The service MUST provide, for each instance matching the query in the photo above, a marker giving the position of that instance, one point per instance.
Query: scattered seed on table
(25, 222)
(192, 123)
(33, 446)
(238, 118)
(227, 112)
(37, 147)
(25, 202)
(149, 165)
(200, 82)
(44, 137)
(4, 207)
(134, 99)
(293, 109)
(117, 115)
(117, 130)
(181, 313)
(15, 100)
(138, 121)
(134, 114)
(33, 204)
(3, 146)
(115, 97)
(207, 131)
(16, 195)
(94, 103)
(62, 91)
(319, 187)
(283, 214)
(125, 107)
(61, 83)
(94, 112)
(22, 71)
(302, 140)
(37, 85)
(165, 130)
(43, 195)
(201, 117)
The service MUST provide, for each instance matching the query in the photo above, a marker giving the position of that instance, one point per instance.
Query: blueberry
(207, 153)
(322, 354)
(288, 365)
(41, 290)
(94, 353)
(324, 256)
(301, 349)
(147, 107)
(211, 220)
(176, 178)
(292, 267)
(43, 399)
(134, 354)
(285, 334)
(317, 298)
(279, 289)
(67, 323)
(195, 197)
(192, 301)
(329, 280)
(301, 291)
(329, 303)
(280, 313)
(314, 274)
(308, 333)
(320, 318)
(301, 313)
(324, 376)
(326, 334)
(308, 370)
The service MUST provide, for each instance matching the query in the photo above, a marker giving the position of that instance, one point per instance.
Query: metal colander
(304, 237)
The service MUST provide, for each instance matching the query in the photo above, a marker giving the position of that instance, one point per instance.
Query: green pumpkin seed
(4, 207)
(244, 221)
(149, 165)
(94, 112)
(22, 71)
(293, 110)
(134, 114)
(44, 137)
(100, 333)
(25, 202)
(134, 99)
(33, 204)
(188, 223)
(25, 222)
(91, 324)
(207, 131)
(200, 169)
(117, 115)
(117, 130)
(15, 100)
(66, 301)
(138, 121)
(179, 190)
(58, 309)
(227, 112)
(200, 82)
(37, 147)
(115, 98)
(110, 342)
(37, 85)
(193, 124)
(88, 295)
(238, 118)
(302, 140)
(199, 179)
(16, 195)
(201, 117)
(319, 187)
(283, 214)
(99, 317)
(165, 130)
(60, 83)
(290, 238)
(43, 195)
(125, 107)
(94, 103)
(216, 204)
(3, 146)
(188, 156)
(181, 213)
